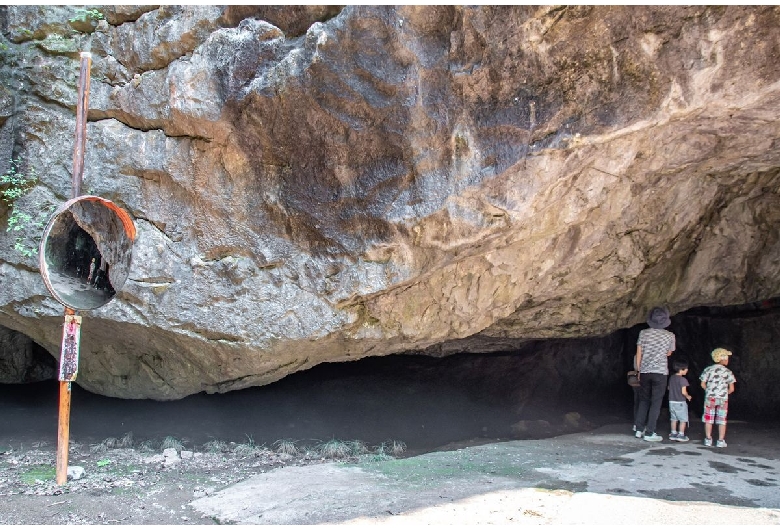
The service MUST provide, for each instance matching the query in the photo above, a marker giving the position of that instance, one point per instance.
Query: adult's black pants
(652, 388)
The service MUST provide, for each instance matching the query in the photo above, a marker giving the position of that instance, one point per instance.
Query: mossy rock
(60, 46)
(83, 25)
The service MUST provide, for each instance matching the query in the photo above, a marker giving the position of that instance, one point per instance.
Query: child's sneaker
(681, 438)
(653, 437)
(638, 434)
(673, 436)
(721, 443)
(708, 442)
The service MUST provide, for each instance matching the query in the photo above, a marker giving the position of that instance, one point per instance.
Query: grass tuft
(357, 448)
(216, 446)
(390, 449)
(147, 446)
(246, 449)
(286, 447)
(169, 442)
(334, 449)
(126, 441)
(397, 447)
(102, 447)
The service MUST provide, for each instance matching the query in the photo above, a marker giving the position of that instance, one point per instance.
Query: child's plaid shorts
(715, 411)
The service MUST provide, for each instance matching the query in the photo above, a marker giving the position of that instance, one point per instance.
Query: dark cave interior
(545, 388)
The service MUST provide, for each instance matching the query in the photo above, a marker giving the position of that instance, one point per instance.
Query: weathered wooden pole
(63, 426)
(82, 106)
(63, 433)
(66, 377)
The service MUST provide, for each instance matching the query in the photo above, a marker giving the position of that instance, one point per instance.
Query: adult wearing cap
(653, 348)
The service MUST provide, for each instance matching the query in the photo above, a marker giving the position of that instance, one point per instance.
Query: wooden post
(68, 366)
(82, 106)
(63, 433)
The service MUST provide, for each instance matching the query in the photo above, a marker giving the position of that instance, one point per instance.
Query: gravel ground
(605, 474)
(127, 486)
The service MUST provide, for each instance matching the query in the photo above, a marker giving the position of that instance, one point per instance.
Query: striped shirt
(655, 344)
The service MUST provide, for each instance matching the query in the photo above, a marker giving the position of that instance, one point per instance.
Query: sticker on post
(69, 361)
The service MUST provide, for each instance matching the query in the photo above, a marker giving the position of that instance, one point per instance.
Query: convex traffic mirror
(86, 251)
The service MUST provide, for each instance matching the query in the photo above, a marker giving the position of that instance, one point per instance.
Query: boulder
(325, 184)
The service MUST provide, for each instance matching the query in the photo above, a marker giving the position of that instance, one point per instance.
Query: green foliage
(103, 463)
(83, 15)
(13, 186)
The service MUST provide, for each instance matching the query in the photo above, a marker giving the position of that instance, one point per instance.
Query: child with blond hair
(717, 382)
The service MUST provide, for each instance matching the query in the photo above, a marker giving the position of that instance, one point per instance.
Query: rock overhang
(400, 178)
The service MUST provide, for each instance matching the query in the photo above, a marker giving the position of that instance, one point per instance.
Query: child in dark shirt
(678, 401)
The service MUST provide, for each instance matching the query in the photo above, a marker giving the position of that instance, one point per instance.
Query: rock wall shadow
(426, 403)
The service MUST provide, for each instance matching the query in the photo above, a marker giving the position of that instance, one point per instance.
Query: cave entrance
(544, 388)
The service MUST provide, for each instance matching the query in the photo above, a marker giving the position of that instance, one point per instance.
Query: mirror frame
(127, 223)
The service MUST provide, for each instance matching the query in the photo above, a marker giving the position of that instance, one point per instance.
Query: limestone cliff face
(314, 184)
